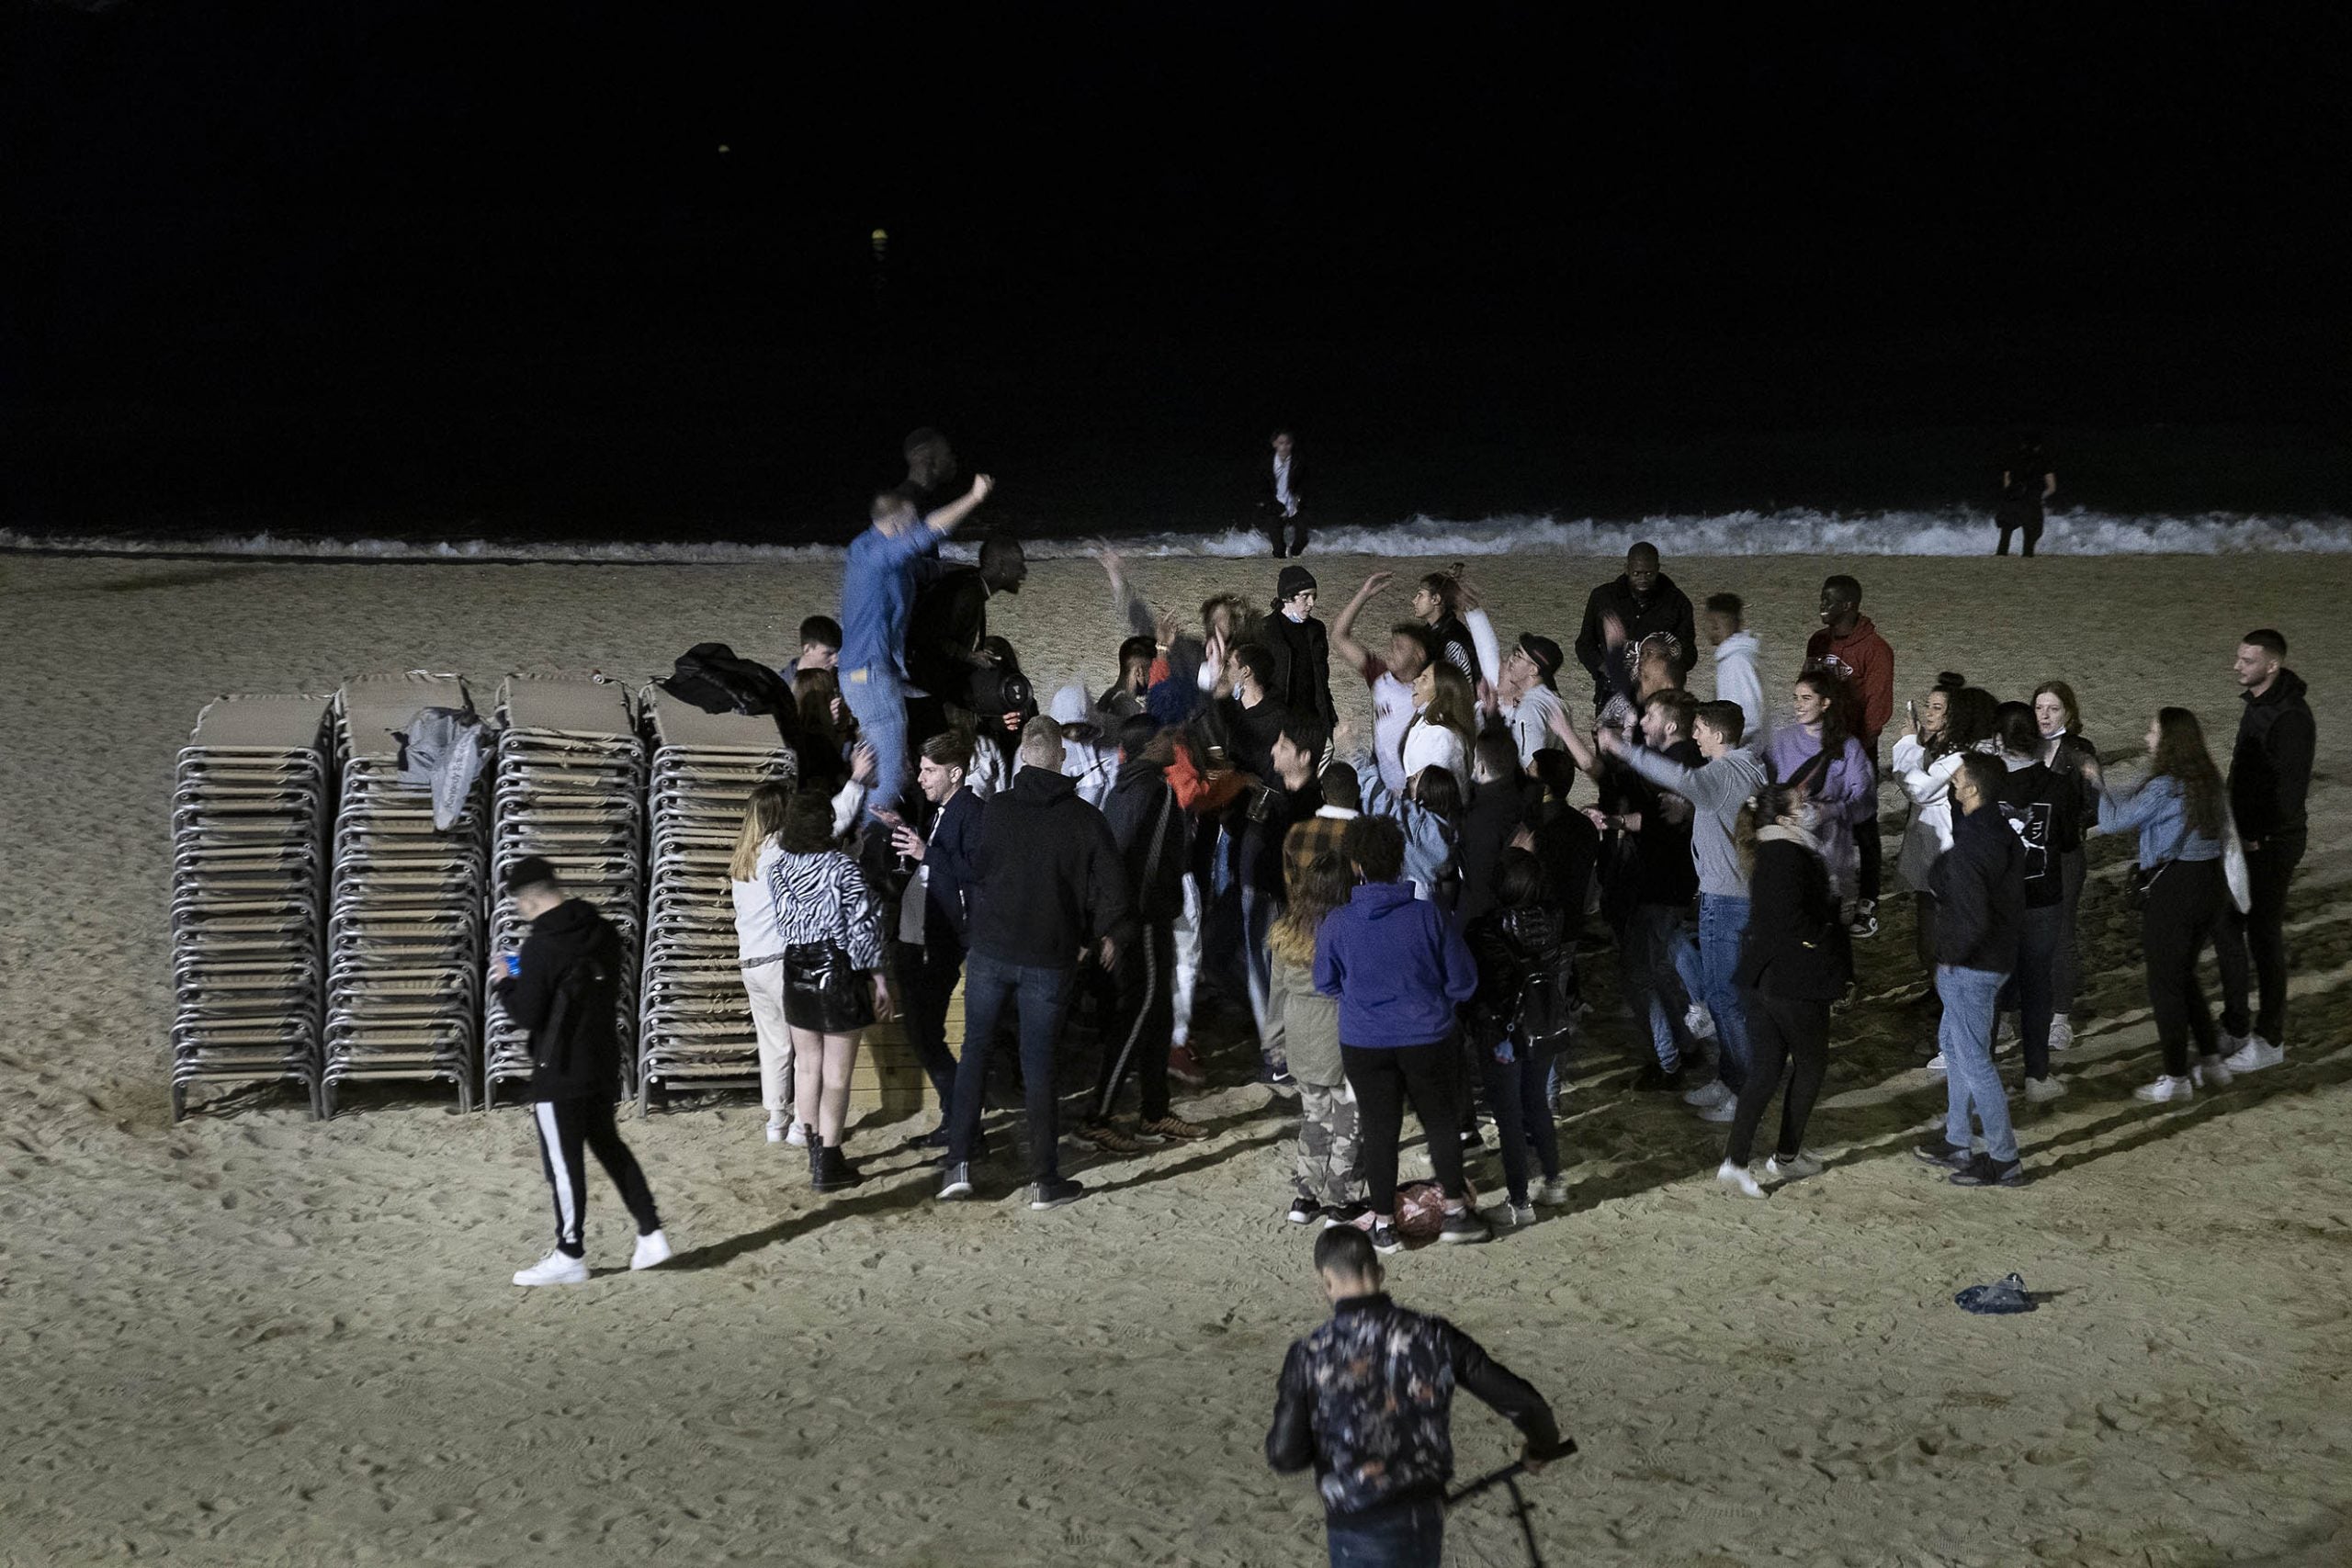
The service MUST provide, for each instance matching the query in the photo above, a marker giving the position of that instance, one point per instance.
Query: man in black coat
(1051, 882)
(564, 987)
(1302, 649)
(2270, 775)
(927, 948)
(947, 631)
(1643, 602)
(1280, 496)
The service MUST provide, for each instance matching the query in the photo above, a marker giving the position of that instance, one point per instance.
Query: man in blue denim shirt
(877, 586)
(1367, 1399)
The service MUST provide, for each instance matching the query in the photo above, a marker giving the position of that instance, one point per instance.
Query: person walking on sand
(1849, 644)
(564, 987)
(1367, 1401)
(2027, 485)
(1979, 884)
(878, 588)
(1794, 961)
(1641, 603)
(1282, 497)
(1399, 969)
(2270, 776)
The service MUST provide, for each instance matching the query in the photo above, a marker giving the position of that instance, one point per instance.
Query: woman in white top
(1442, 733)
(759, 947)
(1955, 719)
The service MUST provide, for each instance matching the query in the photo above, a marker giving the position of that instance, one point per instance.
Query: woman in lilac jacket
(1817, 754)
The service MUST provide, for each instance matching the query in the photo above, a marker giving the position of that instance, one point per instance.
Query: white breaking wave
(1952, 532)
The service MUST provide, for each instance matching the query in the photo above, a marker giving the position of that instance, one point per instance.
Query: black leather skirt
(822, 992)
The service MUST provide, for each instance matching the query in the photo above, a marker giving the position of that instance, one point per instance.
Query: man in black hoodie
(1979, 884)
(564, 987)
(2045, 812)
(2270, 774)
(1642, 603)
(1155, 838)
(1051, 883)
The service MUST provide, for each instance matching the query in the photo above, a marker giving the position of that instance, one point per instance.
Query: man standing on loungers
(564, 988)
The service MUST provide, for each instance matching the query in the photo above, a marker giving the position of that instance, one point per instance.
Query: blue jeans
(1970, 1081)
(1655, 953)
(1723, 922)
(1037, 994)
(878, 697)
(1258, 913)
(1411, 1536)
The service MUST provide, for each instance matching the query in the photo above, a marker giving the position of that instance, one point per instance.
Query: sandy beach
(251, 1338)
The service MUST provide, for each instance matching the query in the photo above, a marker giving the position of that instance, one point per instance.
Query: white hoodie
(1736, 681)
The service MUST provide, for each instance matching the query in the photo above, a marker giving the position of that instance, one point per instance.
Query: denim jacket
(2159, 808)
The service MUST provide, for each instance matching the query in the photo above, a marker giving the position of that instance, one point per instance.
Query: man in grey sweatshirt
(1716, 790)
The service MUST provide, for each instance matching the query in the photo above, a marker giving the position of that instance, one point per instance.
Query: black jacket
(1508, 946)
(1795, 944)
(1668, 610)
(1155, 838)
(1051, 878)
(1569, 846)
(943, 630)
(568, 996)
(1262, 824)
(953, 840)
(1302, 665)
(1495, 812)
(2045, 809)
(1979, 885)
(2270, 773)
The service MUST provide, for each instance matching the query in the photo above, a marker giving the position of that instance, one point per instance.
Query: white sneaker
(652, 1251)
(1551, 1192)
(2062, 1033)
(1936, 1063)
(2255, 1054)
(1699, 1022)
(2042, 1089)
(1806, 1163)
(1512, 1216)
(776, 1132)
(797, 1135)
(1724, 1109)
(1735, 1178)
(555, 1268)
(1714, 1091)
(2210, 1072)
(2166, 1089)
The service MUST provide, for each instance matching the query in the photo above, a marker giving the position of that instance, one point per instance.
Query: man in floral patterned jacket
(1367, 1400)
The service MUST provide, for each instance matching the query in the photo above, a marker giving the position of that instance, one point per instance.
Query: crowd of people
(1402, 911)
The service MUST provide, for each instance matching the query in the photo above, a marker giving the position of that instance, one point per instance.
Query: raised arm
(949, 517)
(1556, 721)
(1344, 625)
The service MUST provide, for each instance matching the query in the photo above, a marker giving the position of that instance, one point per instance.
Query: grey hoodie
(1715, 791)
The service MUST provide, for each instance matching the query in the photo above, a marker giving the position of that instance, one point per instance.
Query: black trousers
(926, 975)
(1872, 850)
(2259, 934)
(1782, 1030)
(564, 1127)
(2030, 526)
(1518, 1093)
(1274, 521)
(2185, 909)
(1143, 1023)
(1385, 1079)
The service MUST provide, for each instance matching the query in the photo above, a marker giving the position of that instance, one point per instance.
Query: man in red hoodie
(1849, 643)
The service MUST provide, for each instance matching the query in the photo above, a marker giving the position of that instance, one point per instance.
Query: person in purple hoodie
(1815, 755)
(1399, 969)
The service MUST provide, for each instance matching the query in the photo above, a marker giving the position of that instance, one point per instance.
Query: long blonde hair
(763, 820)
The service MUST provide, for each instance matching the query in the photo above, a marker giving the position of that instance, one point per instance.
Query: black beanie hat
(1294, 581)
(531, 870)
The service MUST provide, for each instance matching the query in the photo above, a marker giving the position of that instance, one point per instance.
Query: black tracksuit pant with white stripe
(1144, 1021)
(564, 1127)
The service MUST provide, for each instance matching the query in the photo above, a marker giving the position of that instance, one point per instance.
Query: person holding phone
(833, 983)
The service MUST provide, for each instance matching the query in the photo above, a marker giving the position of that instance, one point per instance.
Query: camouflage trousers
(1331, 1147)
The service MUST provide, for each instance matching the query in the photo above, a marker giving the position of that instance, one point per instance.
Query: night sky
(433, 266)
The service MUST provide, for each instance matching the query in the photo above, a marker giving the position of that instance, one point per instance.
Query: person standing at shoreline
(1849, 643)
(1283, 496)
(2270, 776)
(2027, 485)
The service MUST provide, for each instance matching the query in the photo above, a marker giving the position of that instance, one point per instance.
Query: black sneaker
(1939, 1150)
(1055, 1191)
(957, 1183)
(1304, 1210)
(1465, 1227)
(1653, 1078)
(1385, 1237)
(1986, 1171)
(1345, 1214)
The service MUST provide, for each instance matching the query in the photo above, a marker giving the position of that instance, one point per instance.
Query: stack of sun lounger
(694, 1022)
(568, 784)
(404, 925)
(249, 845)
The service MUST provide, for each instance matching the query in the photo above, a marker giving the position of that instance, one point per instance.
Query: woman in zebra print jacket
(833, 983)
